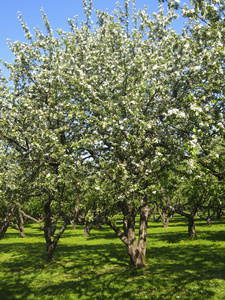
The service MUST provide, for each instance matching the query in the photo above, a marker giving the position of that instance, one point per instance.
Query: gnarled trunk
(137, 256)
(136, 251)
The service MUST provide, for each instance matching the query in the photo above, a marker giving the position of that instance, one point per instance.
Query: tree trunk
(132, 247)
(137, 252)
(6, 222)
(144, 214)
(137, 257)
(73, 224)
(191, 226)
(209, 216)
(190, 216)
(165, 222)
(98, 226)
(49, 229)
(87, 228)
(3, 228)
(50, 252)
(209, 220)
(21, 224)
(155, 218)
(218, 213)
(164, 217)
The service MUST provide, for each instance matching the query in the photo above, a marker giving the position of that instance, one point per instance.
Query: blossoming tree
(117, 103)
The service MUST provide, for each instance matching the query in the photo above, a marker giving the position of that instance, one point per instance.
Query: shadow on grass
(189, 269)
(99, 268)
(213, 235)
(168, 236)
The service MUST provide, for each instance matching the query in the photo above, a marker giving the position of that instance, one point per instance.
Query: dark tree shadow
(98, 267)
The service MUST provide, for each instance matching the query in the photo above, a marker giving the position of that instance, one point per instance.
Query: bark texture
(136, 250)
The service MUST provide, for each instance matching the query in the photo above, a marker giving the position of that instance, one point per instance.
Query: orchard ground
(97, 267)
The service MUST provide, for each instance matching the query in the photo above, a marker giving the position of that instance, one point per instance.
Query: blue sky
(58, 12)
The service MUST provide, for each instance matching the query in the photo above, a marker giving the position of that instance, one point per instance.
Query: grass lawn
(97, 267)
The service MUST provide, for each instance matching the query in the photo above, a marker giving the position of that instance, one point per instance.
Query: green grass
(98, 267)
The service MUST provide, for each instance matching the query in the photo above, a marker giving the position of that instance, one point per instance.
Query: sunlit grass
(98, 267)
